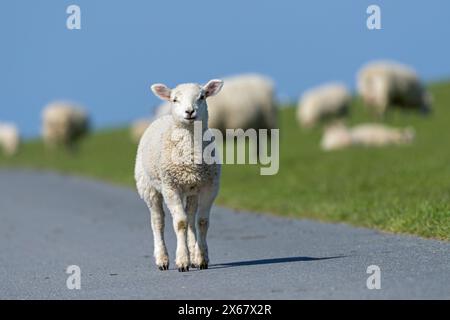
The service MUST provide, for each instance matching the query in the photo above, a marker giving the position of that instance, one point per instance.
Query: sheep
(374, 134)
(165, 171)
(9, 138)
(323, 103)
(163, 109)
(249, 95)
(338, 136)
(138, 128)
(385, 84)
(63, 123)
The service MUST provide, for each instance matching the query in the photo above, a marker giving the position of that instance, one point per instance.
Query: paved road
(50, 221)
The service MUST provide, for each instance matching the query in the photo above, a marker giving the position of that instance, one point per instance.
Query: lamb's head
(188, 100)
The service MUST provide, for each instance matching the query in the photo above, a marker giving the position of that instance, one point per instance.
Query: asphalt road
(49, 221)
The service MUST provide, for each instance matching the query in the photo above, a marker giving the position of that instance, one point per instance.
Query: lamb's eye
(175, 100)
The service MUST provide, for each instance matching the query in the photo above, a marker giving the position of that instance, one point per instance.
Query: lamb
(249, 95)
(63, 123)
(165, 171)
(385, 84)
(9, 138)
(323, 103)
(338, 136)
(138, 128)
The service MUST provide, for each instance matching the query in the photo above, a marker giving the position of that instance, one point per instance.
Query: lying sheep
(63, 124)
(9, 139)
(374, 134)
(385, 84)
(165, 171)
(321, 104)
(338, 136)
(138, 128)
(249, 95)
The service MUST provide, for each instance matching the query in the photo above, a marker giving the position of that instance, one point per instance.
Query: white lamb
(249, 95)
(385, 84)
(166, 171)
(323, 103)
(9, 139)
(338, 136)
(63, 123)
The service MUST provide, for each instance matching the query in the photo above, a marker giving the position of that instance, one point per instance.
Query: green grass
(397, 189)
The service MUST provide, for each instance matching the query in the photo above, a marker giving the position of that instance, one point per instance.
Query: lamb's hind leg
(206, 200)
(191, 210)
(155, 204)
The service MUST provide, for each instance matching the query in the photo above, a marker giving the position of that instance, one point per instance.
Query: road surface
(50, 221)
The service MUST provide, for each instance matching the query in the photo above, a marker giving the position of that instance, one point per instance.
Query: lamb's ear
(161, 91)
(212, 87)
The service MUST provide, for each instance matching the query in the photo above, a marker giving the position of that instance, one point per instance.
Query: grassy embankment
(396, 189)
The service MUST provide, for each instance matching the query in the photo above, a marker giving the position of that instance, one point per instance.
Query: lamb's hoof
(183, 269)
(203, 266)
(193, 265)
(163, 267)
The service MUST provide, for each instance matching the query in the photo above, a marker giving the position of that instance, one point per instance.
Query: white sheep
(323, 103)
(166, 171)
(338, 136)
(63, 123)
(9, 138)
(374, 134)
(385, 84)
(138, 128)
(249, 95)
(163, 109)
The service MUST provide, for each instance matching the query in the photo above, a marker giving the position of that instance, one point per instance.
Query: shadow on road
(269, 261)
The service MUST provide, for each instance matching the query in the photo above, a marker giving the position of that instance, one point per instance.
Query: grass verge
(396, 189)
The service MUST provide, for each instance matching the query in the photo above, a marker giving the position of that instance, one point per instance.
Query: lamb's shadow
(270, 261)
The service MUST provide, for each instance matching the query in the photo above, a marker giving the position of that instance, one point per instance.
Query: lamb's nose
(189, 112)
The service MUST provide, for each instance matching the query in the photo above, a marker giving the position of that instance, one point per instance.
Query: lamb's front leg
(154, 202)
(191, 210)
(174, 203)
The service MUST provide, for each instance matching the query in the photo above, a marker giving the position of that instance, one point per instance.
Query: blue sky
(125, 46)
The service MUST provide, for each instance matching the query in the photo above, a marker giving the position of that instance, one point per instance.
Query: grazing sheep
(166, 171)
(249, 95)
(385, 84)
(9, 138)
(63, 124)
(323, 103)
(338, 136)
(162, 110)
(138, 128)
